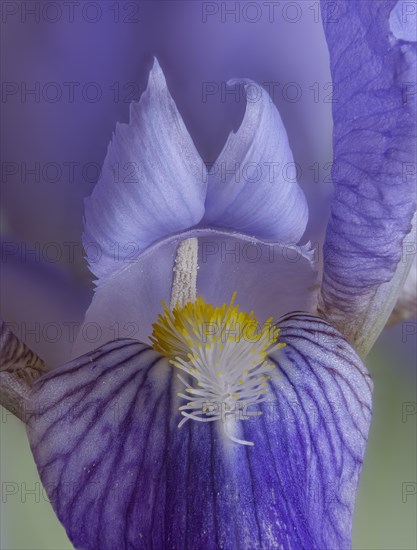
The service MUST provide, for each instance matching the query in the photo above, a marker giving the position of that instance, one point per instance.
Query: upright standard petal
(374, 166)
(252, 187)
(120, 474)
(152, 184)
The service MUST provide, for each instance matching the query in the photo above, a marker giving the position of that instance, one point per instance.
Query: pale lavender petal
(271, 279)
(120, 474)
(153, 181)
(252, 187)
(374, 165)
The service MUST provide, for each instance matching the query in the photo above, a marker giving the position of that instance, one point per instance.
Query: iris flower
(238, 415)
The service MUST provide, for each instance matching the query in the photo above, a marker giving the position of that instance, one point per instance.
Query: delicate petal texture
(406, 306)
(252, 186)
(374, 164)
(153, 181)
(271, 279)
(120, 474)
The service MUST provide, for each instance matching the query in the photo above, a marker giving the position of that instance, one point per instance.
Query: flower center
(223, 352)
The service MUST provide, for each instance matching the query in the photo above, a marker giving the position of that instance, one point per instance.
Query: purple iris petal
(247, 187)
(374, 157)
(120, 474)
(152, 182)
(270, 279)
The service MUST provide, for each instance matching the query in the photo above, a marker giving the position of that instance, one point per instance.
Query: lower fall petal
(323, 404)
(120, 474)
